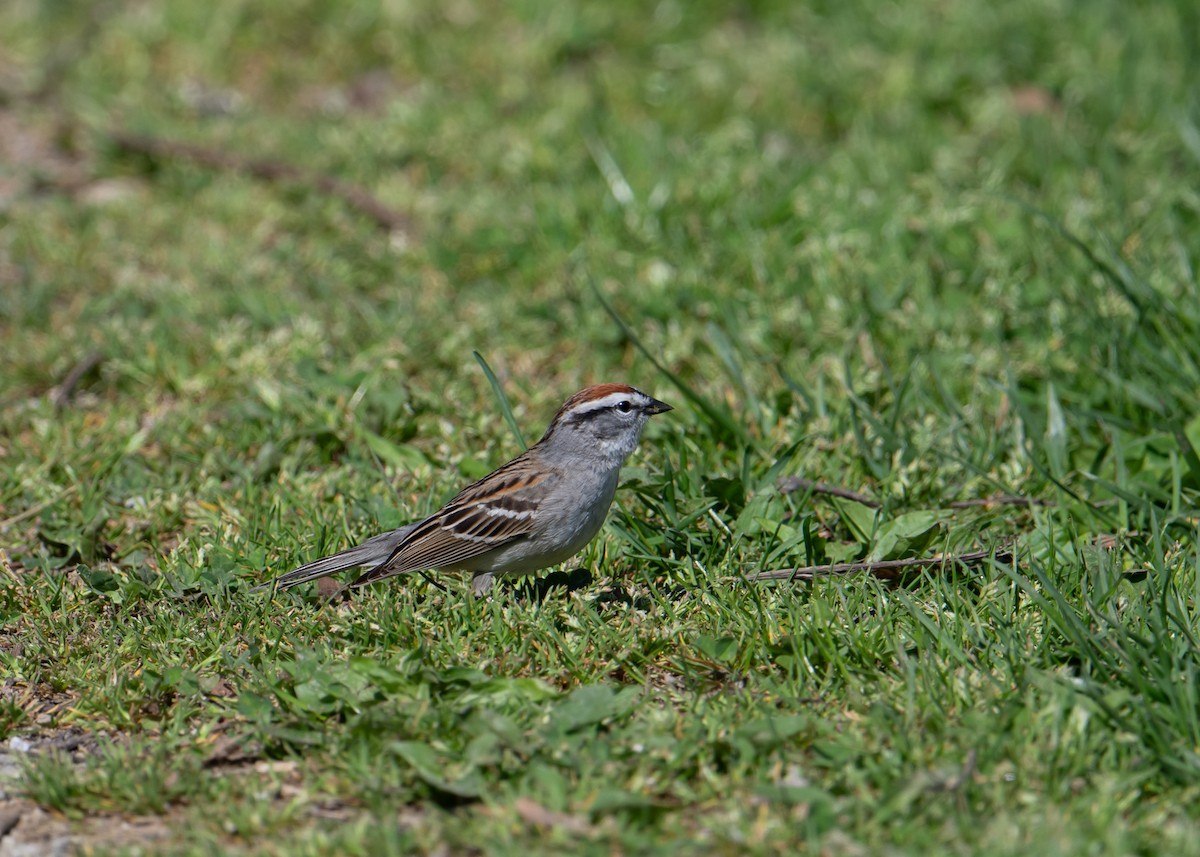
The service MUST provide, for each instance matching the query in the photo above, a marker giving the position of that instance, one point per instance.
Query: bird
(538, 510)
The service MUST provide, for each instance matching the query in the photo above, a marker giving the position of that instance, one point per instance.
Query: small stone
(59, 846)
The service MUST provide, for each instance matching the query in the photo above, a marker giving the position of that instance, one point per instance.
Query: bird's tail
(372, 552)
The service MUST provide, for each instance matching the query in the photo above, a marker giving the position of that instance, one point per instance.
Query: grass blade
(505, 407)
(717, 417)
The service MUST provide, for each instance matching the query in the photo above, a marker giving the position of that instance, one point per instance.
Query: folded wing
(469, 526)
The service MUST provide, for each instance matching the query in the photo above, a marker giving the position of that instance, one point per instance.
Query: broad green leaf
(905, 535)
(859, 519)
(771, 731)
(615, 800)
(782, 532)
(432, 769)
(254, 707)
(751, 519)
(398, 455)
(592, 704)
(836, 552)
(719, 649)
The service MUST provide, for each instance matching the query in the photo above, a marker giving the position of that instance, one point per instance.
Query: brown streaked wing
(464, 530)
(518, 473)
(441, 548)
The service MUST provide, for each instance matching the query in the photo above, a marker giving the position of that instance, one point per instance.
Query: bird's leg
(481, 582)
(432, 582)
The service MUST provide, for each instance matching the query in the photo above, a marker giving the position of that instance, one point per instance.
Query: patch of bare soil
(27, 830)
(36, 156)
(30, 830)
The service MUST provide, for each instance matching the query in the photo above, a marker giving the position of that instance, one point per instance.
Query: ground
(911, 568)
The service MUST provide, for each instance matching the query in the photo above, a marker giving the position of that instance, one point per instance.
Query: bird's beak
(657, 407)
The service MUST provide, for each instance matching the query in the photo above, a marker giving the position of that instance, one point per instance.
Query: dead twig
(1000, 500)
(887, 569)
(6, 567)
(62, 396)
(539, 816)
(792, 484)
(356, 197)
(38, 509)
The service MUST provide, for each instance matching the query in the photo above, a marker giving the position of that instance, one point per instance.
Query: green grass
(929, 252)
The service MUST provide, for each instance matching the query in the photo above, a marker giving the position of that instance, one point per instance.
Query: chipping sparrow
(536, 511)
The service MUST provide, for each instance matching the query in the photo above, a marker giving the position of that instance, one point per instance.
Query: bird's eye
(624, 407)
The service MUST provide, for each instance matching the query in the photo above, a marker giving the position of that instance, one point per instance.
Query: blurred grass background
(932, 252)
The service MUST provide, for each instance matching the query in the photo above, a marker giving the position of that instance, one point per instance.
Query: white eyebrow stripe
(605, 402)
